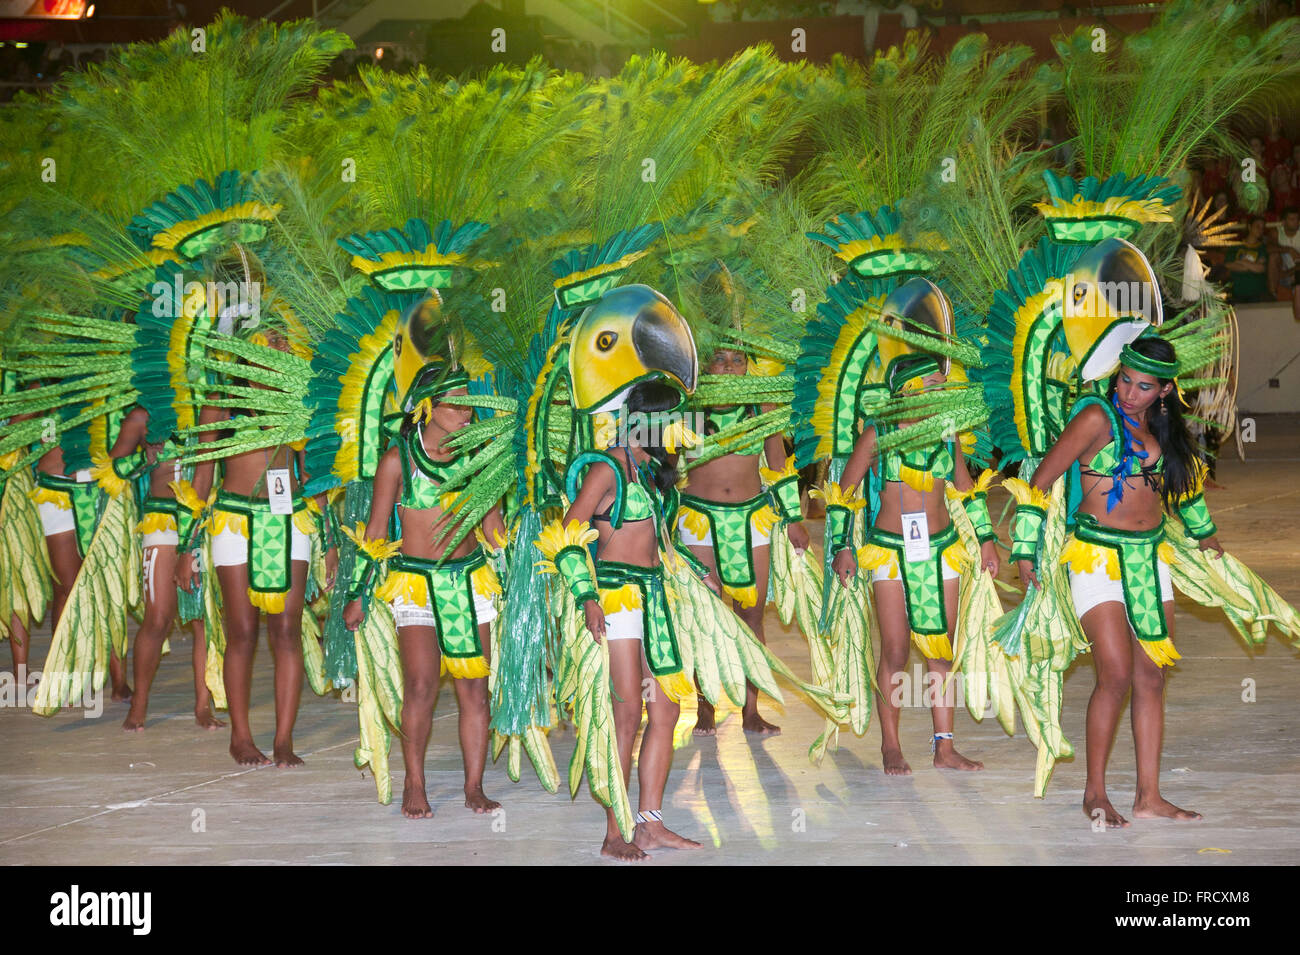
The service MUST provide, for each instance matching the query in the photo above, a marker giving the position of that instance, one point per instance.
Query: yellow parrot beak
(918, 305)
(1110, 297)
(632, 334)
(420, 335)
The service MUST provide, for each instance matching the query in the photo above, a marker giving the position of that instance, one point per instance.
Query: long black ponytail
(1182, 457)
(648, 397)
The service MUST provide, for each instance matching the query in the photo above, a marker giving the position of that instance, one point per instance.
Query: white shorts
(230, 549)
(1092, 587)
(55, 519)
(757, 537)
(165, 538)
(408, 614)
(625, 625)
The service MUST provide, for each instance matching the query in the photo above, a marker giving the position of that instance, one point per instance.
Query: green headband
(432, 391)
(908, 367)
(1147, 365)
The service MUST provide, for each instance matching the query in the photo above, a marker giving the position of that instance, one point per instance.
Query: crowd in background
(1259, 196)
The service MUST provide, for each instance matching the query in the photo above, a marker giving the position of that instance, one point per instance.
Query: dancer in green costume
(442, 598)
(164, 523)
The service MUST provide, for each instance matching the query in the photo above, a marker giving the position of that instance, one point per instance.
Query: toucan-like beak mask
(1110, 297)
(632, 334)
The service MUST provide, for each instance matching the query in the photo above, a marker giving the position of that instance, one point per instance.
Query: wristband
(1196, 517)
(783, 488)
(565, 550)
(841, 506)
(370, 554)
(1031, 509)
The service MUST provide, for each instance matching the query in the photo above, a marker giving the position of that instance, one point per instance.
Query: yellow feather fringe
(485, 582)
(228, 521)
(764, 520)
(47, 495)
(676, 686)
(933, 646)
(834, 495)
(170, 238)
(305, 521)
(270, 603)
(1025, 494)
(1084, 557)
(556, 536)
(627, 597)
(695, 521)
(404, 585)
(465, 668)
(745, 596)
(770, 476)
(104, 475)
(1161, 652)
(187, 497)
(155, 523)
(377, 549)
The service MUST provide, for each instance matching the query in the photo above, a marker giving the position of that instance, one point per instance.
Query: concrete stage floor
(80, 791)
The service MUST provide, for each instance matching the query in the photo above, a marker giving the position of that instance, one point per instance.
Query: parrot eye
(1080, 292)
(605, 340)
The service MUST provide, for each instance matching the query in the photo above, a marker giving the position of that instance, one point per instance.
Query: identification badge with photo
(277, 491)
(916, 537)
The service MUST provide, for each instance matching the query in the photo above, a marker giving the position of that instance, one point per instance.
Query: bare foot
(476, 800)
(616, 848)
(947, 757)
(247, 754)
(121, 693)
(207, 719)
(134, 722)
(655, 835)
(1161, 808)
(285, 757)
(1099, 807)
(415, 802)
(895, 765)
(753, 723)
(704, 725)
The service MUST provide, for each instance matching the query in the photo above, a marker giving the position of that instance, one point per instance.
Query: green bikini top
(422, 477)
(718, 418)
(1108, 458)
(1112, 461)
(632, 499)
(937, 462)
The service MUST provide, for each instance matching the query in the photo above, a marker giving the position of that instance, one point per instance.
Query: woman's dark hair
(1182, 458)
(645, 398)
(427, 376)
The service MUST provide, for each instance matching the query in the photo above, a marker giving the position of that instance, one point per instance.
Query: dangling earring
(1163, 411)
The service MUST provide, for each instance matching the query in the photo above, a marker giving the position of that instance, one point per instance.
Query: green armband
(839, 528)
(1196, 517)
(363, 575)
(1025, 530)
(977, 509)
(574, 564)
(130, 465)
(785, 499)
